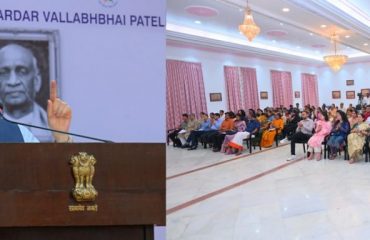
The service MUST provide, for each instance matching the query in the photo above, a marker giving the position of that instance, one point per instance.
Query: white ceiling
(293, 35)
(362, 4)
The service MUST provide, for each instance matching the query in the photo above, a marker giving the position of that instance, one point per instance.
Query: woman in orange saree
(268, 136)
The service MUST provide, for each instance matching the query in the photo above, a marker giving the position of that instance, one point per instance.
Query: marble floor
(214, 196)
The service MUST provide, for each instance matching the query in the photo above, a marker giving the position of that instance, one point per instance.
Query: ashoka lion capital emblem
(83, 172)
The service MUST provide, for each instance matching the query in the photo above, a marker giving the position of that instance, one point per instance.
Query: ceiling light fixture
(335, 61)
(198, 22)
(366, 44)
(285, 10)
(249, 27)
(347, 36)
(323, 26)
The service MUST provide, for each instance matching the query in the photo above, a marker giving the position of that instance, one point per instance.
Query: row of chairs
(366, 149)
(254, 141)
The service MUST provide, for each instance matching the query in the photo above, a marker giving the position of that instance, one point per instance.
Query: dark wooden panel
(36, 182)
(78, 233)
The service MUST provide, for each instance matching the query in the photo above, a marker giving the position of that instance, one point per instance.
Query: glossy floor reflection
(328, 199)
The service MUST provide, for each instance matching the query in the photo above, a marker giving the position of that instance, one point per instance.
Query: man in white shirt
(366, 99)
(342, 108)
(222, 115)
(303, 133)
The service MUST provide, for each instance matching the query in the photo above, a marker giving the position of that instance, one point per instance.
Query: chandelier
(249, 27)
(335, 61)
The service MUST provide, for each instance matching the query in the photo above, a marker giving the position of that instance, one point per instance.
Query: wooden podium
(36, 201)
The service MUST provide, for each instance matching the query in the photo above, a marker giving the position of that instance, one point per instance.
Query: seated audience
(322, 129)
(338, 134)
(290, 126)
(342, 108)
(239, 126)
(356, 139)
(261, 117)
(228, 135)
(297, 107)
(350, 106)
(290, 110)
(226, 126)
(352, 119)
(270, 116)
(362, 109)
(367, 113)
(259, 112)
(236, 143)
(323, 107)
(366, 99)
(183, 125)
(349, 113)
(302, 134)
(332, 113)
(243, 116)
(314, 112)
(205, 126)
(273, 128)
(222, 115)
(284, 116)
(215, 126)
(201, 119)
(192, 125)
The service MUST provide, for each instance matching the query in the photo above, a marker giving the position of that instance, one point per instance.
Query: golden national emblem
(83, 173)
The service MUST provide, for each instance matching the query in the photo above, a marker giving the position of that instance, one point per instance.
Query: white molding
(237, 49)
(337, 16)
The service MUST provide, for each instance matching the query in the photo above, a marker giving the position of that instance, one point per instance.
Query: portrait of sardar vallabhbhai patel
(20, 83)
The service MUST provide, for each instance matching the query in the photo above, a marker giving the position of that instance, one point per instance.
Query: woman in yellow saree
(356, 139)
(268, 136)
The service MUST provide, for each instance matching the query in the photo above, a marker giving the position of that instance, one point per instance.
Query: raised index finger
(53, 90)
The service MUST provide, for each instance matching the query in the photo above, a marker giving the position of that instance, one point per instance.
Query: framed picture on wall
(335, 94)
(297, 94)
(41, 49)
(350, 82)
(365, 91)
(215, 97)
(44, 49)
(264, 95)
(350, 94)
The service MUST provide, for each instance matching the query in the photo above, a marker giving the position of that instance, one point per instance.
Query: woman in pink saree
(322, 129)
